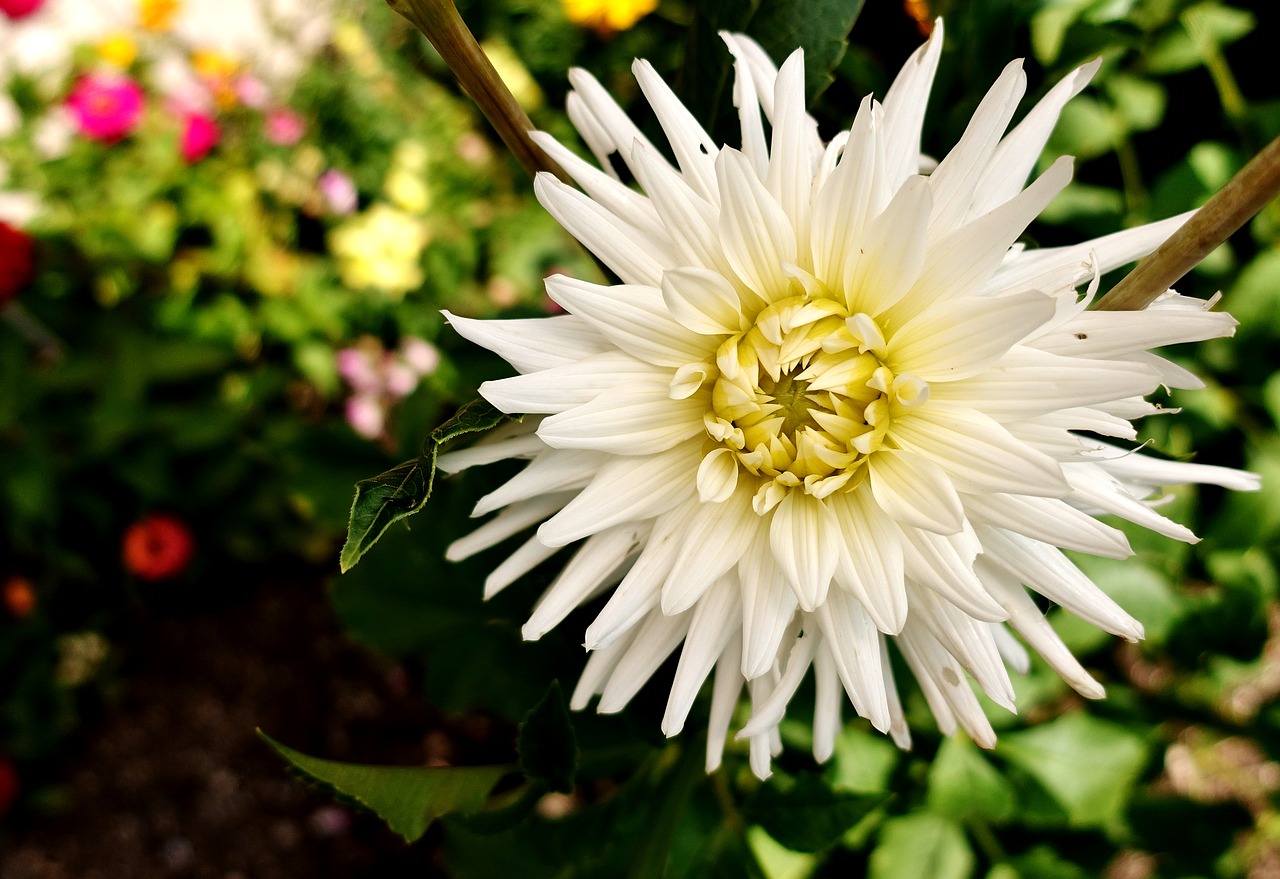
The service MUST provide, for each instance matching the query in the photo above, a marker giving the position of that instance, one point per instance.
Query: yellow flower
(607, 16)
(407, 190)
(118, 50)
(157, 15)
(380, 248)
(218, 72)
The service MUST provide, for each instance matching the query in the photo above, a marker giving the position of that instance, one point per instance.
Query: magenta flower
(18, 9)
(106, 107)
(199, 135)
(284, 127)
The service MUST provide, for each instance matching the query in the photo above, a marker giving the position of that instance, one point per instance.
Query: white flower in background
(832, 405)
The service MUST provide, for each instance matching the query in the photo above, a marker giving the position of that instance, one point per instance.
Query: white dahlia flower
(833, 405)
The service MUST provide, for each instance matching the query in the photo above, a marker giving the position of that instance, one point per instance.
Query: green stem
(440, 22)
(1245, 194)
(30, 328)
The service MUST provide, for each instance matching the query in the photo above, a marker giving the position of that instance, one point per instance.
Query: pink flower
(199, 135)
(366, 416)
(339, 192)
(17, 9)
(284, 127)
(106, 107)
(358, 370)
(251, 91)
(420, 354)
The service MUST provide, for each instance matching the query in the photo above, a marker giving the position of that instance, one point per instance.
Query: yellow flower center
(803, 397)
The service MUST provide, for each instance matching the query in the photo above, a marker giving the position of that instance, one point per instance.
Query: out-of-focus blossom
(53, 133)
(158, 546)
(339, 192)
(80, 655)
(421, 355)
(359, 371)
(380, 248)
(17, 261)
(118, 50)
(200, 134)
(284, 127)
(8, 786)
(252, 91)
(106, 108)
(513, 73)
(219, 73)
(157, 15)
(407, 190)
(366, 416)
(17, 10)
(19, 598)
(379, 379)
(607, 17)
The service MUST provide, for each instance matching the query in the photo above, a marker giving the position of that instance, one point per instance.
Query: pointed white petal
(633, 318)
(623, 490)
(551, 471)
(510, 521)
(757, 236)
(716, 619)
(914, 491)
(904, 106)
(642, 421)
(593, 567)
(563, 387)
(532, 344)
(1049, 520)
(872, 550)
(693, 147)
(713, 544)
(656, 637)
(804, 536)
(724, 698)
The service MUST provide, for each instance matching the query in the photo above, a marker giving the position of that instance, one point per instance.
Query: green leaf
(964, 785)
(547, 744)
(808, 816)
(408, 798)
(1088, 765)
(921, 845)
(405, 489)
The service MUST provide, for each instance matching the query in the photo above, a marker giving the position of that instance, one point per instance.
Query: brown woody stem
(1245, 194)
(440, 22)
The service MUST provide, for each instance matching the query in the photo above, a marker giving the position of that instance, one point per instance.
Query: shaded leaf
(964, 785)
(408, 798)
(808, 816)
(1088, 765)
(547, 744)
(921, 845)
(405, 489)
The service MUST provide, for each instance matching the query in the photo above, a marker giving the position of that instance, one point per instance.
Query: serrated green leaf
(808, 816)
(408, 798)
(547, 744)
(964, 785)
(405, 489)
(921, 845)
(1089, 765)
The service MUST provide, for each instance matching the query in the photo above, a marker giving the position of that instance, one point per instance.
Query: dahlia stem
(440, 22)
(1245, 194)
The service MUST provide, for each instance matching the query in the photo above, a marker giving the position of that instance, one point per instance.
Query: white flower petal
(595, 566)
(553, 390)
(757, 237)
(913, 490)
(715, 621)
(804, 536)
(535, 343)
(644, 422)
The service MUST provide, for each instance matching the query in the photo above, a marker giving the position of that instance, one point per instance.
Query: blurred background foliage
(212, 349)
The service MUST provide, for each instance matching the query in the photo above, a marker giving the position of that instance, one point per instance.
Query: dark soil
(174, 782)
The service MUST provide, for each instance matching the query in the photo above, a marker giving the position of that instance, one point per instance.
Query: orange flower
(157, 15)
(157, 547)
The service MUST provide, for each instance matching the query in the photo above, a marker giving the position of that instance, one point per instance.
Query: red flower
(157, 547)
(16, 9)
(19, 596)
(17, 260)
(8, 786)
